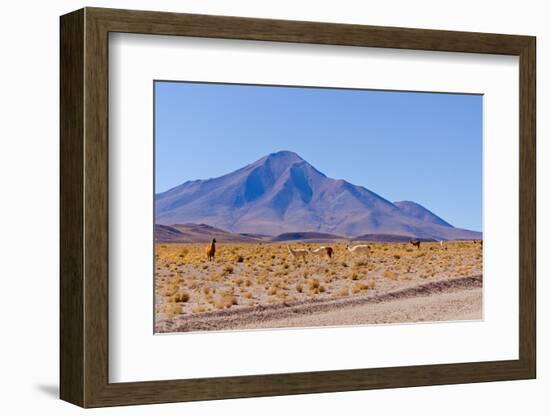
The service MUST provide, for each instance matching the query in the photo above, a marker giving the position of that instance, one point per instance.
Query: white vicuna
(297, 253)
(360, 249)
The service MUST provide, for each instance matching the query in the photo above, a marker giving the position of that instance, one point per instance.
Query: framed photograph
(254, 207)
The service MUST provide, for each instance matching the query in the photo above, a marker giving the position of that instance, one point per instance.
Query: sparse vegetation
(245, 275)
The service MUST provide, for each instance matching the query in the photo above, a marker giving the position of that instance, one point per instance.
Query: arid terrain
(260, 285)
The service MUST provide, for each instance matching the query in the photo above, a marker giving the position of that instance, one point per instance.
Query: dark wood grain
(96, 220)
(84, 207)
(71, 100)
(527, 208)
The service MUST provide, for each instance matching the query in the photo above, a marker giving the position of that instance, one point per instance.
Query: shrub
(361, 263)
(389, 274)
(181, 297)
(313, 283)
(358, 287)
(228, 269)
(225, 300)
(172, 309)
(343, 291)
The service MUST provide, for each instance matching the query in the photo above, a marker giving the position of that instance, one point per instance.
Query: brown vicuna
(211, 250)
(415, 243)
(322, 251)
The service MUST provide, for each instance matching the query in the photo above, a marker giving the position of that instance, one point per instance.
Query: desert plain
(261, 285)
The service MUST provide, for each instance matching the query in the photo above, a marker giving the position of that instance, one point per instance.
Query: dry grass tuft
(313, 283)
(225, 300)
(181, 297)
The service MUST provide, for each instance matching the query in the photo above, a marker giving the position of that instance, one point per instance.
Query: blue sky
(422, 147)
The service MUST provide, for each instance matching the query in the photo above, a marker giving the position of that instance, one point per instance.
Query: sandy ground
(454, 306)
(440, 300)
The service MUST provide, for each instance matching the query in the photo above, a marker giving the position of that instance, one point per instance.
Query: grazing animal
(298, 252)
(359, 249)
(321, 251)
(211, 250)
(415, 243)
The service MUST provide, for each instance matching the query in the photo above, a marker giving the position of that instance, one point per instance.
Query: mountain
(418, 211)
(282, 193)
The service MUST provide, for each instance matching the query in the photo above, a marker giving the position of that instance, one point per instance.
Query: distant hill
(166, 234)
(307, 236)
(282, 193)
(257, 236)
(388, 238)
(196, 233)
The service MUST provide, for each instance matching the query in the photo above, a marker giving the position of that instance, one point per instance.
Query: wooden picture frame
(84, 207)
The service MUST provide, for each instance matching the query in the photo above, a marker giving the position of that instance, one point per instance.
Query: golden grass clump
(353, 276)
(359, 287)
(181, 297)
(343, 291)
(227, 269)
(360, 263)
(313, 283)
(389, 274)
(225, 300)
(172, 309)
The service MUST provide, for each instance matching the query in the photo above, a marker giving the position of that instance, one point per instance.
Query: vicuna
(297, 253)
(211, 250)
